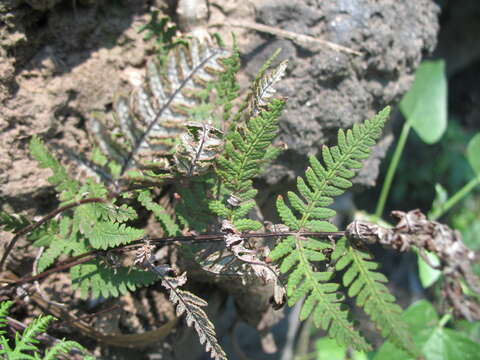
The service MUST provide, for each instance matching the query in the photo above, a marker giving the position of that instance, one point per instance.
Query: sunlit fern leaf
(168, 224)
(65, 185)
(322, 301)
(243, 159)
(96, 279)
(367, 286)
(155, 116)
(4, 306)
(26, 345)
(308, 212)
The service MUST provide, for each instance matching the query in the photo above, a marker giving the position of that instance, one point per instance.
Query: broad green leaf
(435, 341)
(428, 275)
(425, 105)
(473, 153)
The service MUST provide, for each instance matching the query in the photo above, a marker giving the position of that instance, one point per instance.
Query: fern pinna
(299, 255)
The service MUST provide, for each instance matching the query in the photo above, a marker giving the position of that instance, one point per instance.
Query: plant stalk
(459, 195)
(392, 168)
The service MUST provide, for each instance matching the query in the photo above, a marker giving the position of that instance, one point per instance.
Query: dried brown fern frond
(149, 122)
(190, 305)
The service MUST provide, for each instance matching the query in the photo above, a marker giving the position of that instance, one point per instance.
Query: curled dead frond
(415, 230)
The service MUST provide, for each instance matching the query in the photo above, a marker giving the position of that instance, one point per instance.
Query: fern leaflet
(96, 279)
(309, 213)
(367, 285)
(170, 227)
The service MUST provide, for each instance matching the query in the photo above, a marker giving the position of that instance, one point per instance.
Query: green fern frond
(170, 227)
(105, 235)
(95, 279)
(65, 185)
(27, 344)
(27, 340)
(63, 347)
(367, 286)
(309, 212)
(243, 159)
(12, 222)
(226, 86)
(4, 307)
(321, 298)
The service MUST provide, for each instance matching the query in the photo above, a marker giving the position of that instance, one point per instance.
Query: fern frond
(12, 222)
(243, 159)
(148, 130)
(264, 89)
(62, 347)
(104, 235)
(4, 307)
(65, 185)
(309, 212)
(95, 279)
(191, 305)
(321, 298)
(170, 227)
(367, 286)
(27, 340)
(226, 86)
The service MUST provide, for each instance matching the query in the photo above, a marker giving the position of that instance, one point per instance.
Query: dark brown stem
(82, 258)
(42, 221)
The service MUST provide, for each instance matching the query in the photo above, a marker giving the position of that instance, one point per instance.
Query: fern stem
(85, 257)
(42, 221)
(459, 195)
(392, 168)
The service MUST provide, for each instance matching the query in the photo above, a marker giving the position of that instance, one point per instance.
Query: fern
(65, 185)
(367, 285)
(247, 150)
(308, 212)
(98, 225)
(170, 227)
(191, 305)
(95, 279)
(26, 342)
(12, 222)
(147, 132)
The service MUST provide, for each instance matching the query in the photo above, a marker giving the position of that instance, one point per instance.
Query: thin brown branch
(300, 39)
(83, 258)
